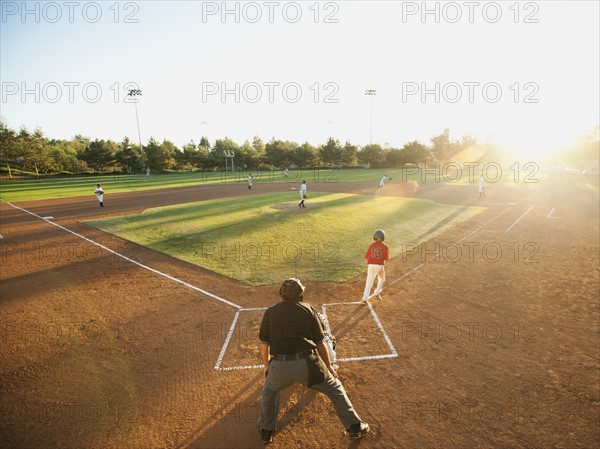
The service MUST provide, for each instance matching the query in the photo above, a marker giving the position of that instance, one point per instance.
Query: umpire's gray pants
(283, 374)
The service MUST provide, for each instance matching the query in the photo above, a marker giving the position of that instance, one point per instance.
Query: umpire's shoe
(266, 435)
(357, 430)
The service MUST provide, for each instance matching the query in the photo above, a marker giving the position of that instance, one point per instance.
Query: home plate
(49, 217)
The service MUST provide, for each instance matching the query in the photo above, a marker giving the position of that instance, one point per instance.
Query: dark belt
(296, 356)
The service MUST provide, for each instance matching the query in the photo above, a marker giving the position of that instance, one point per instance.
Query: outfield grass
(16, 190)
(265, 238)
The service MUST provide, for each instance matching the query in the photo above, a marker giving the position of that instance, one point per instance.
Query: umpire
(292, 333)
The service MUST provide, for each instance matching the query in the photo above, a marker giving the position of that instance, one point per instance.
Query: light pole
(370, 92)
(134, 93)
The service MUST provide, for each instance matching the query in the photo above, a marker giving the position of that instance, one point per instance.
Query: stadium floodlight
(134, 93)
(370, 92)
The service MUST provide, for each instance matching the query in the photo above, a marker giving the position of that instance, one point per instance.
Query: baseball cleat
(357, 430)
(266, 435)
(378, 297)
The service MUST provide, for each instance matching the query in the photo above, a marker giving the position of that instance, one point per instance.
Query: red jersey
(377, 253)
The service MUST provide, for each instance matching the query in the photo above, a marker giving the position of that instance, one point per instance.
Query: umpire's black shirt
(290, 327)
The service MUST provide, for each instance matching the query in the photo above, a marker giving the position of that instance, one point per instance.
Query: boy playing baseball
(99, 194)
(376, 255)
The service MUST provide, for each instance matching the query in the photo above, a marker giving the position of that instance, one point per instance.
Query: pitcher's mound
(293, 206)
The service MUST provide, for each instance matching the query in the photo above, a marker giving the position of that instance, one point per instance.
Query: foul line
(160, 273)
(438, 252)
(518, 219)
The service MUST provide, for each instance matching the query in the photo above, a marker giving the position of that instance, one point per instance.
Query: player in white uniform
(302, 194)
(250, 181)
(382, 182)
(99, 194)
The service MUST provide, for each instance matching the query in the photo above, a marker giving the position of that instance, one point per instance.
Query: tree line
(34, 152)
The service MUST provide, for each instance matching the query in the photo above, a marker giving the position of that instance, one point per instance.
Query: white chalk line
(153, 270)
(438, 252)
(226, 343)
(379, 325)
(518, 219)
(551, 214)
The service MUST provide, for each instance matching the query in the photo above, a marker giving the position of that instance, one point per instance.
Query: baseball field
(136, 325)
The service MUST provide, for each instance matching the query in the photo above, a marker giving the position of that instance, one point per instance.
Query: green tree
(278, 153)
(160, 156)
(372, 155)
(256, 155)
(416, 153)
(128, 156)
(331, 152)
(100, 155)
(33, 152)
(217, 157)
(189, 157)
(64, 157)
(349, 154)
(394, 158)
(442, 147)
(9, 146)
(305, 156)
(204, 143)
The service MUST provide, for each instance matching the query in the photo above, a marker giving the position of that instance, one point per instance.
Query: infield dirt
(496, 331)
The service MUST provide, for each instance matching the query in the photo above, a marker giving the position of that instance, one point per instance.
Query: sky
(520, 74)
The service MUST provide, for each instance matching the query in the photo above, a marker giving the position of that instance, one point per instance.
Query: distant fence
(18, 175)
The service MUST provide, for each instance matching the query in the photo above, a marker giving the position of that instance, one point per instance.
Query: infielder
(382, 182)
(376, 255)
(293, 351)
(99, 194)
(250, 182)
(302, 194)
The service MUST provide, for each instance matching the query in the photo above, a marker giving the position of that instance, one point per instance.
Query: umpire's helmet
(291, 290)
(379, 234)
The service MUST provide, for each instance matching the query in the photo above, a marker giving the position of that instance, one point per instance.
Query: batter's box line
(387, 339)
(551, 213)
